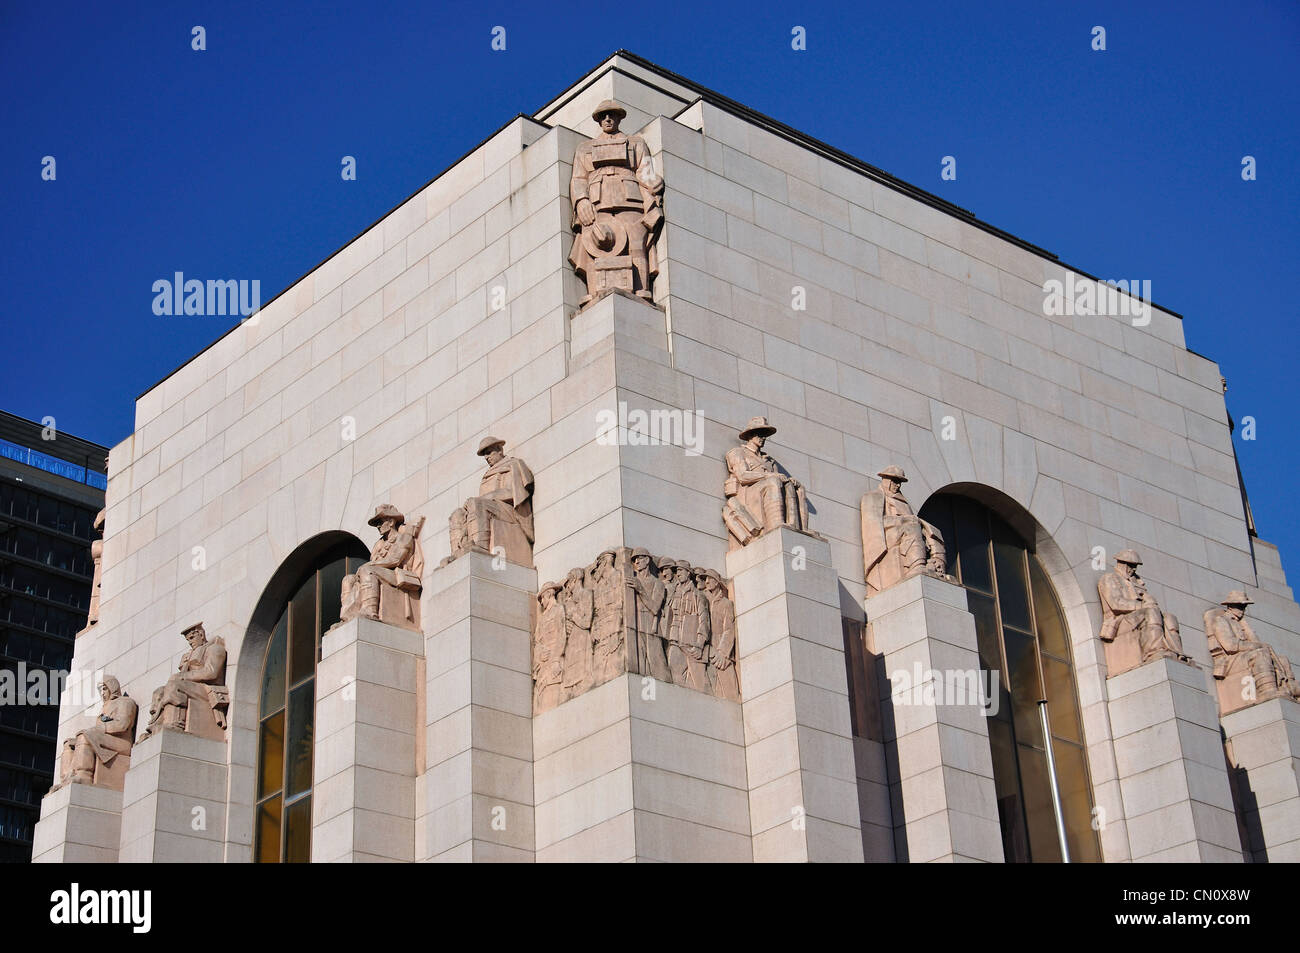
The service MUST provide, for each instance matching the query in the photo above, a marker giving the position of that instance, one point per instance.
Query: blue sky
(1125, 163)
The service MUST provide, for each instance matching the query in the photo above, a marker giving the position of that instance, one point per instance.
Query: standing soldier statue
(617, 210)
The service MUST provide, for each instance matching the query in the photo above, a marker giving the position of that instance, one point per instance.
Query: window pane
(1047, 614)
(273, 673)
(1013, 593)
(270, 772)
(1039, 813)
(302, 708)
(1006, 780)
(1022, 660)
(1076, 802)
(297, 846)
(331, 594)
(1061, 710)
(268, 832)
(302, 632)
(938, 512)
(972, 540)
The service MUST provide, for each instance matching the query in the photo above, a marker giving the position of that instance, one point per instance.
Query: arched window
(1023, 639)
(287, 707)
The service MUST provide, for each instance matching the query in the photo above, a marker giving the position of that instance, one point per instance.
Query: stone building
(544, 676)
(51, 490)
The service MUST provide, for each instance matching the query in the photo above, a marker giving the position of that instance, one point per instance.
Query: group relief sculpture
(632, 612)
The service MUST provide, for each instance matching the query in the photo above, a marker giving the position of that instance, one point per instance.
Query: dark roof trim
(342, 247)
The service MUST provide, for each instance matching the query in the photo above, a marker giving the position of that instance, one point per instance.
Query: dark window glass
(972, 530)
(1023, 640)
(273, 673)
(297, 846)
(302, 702)
(330, 593)
(302, 632)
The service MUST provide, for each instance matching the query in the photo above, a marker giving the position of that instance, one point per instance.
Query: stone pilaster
(641, 770)
(802, 779)
(80, 824)
(475, 800)
(1264, 745)
(174, 800)
(366, 733)
(1169, 757)
(941, 765)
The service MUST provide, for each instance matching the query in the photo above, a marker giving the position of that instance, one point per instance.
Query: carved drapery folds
(1246, 670)
(631, 612)
(101, 753)
(195, 699)
(499, 521)
(1134, 627)
(896, 543)
(760, 495)
(387, 587)
(617, 202)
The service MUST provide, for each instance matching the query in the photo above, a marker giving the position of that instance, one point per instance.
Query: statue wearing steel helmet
(617, 204)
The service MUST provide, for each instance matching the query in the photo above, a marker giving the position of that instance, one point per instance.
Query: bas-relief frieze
(632, 612)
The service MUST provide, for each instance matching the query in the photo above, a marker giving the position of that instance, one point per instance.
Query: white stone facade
(1107, 434)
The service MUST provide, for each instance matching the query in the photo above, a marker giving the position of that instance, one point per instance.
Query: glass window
(1023, 640)
(287, 711)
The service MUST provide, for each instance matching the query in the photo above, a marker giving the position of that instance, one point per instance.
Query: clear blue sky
(225, 163)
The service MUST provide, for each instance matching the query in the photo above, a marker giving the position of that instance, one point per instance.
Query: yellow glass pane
(268, 832)
(270, 771)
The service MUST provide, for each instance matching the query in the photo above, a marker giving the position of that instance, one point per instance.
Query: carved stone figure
(648, 596)
(96, 554)
(387, 588)
(609, 658)
(548, 650)
(722, 671)
(579, 614)
(630, 612)
(1246, 670)
(688, 632)
(500, 518)
(196, 698)
(101, 754)
(617, 204)
(1134, 627)
(760, 497)
(896, 543)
